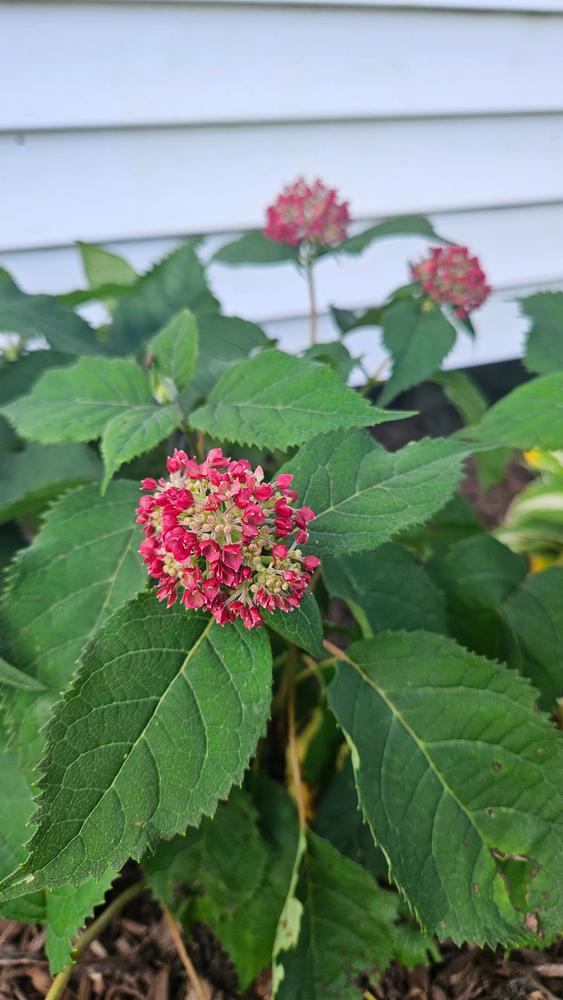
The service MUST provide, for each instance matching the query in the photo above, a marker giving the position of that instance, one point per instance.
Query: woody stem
(292, 737)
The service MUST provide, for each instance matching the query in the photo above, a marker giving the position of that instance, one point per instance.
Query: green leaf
(223, 340)
(362, 495)
(491, 466)
(495, 608)
(67, 909)
(531, 416)
(345, 934)
(17, 807)
(177, 282)
(334, 354)
(133, 433)
(469, 401)
(29, 478)
(16, 378)
(456, 772)
(455, 521)
(255, 248)
(349, 319)
(233, 875)
(10, 542)
(406, 225)
(80, 567)
(75, 404)
(534, 612)
(179, 703)
(102, 267)
(417, 340)
(175, 349)
(463, 393)
(544, 344)
(12, 677)
(44, 316)
(412, 947)
(302, 626)
(340, 820)
(275, 401)
(386, 589)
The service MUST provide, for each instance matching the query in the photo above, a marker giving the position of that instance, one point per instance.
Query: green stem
(374, 379)
(60, 982)
(312, 301)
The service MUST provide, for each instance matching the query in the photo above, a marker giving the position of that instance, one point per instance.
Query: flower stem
(292, 737)
(374, 380)
(309, 263)
(60, 982)
(200, 445)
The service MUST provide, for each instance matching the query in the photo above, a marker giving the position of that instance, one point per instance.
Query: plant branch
(200, 445)
(184, 957)
(60, 982)
(312, 302)
(336, 652)
(292, 737)
(375, 379)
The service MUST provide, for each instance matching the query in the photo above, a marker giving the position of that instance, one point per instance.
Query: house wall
(134, 124)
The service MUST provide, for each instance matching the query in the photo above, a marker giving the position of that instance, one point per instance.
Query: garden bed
(136, 955)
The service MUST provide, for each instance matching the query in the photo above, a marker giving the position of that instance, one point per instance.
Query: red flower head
(451, 277)
(213, 538)
(308, 213)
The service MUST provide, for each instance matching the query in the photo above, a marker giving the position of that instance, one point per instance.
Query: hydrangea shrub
(292, 677)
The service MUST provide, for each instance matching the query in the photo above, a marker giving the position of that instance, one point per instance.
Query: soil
(136, 957)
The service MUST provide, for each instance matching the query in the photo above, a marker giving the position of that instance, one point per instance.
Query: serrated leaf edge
(519, 939)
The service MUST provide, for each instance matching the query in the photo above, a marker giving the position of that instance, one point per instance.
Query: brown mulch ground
(136, 958)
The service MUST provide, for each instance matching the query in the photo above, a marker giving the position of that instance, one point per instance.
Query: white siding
(137, 123)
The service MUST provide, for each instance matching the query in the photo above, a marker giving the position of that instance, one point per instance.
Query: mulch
(136, 958)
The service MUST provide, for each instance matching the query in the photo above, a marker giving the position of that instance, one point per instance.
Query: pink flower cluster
(308, 214)
(217, 536)
(451, 277)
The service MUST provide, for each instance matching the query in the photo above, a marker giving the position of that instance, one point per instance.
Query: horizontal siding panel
(518, 246)
(500, 335)
(506, 6)
(102, 65)
(138, 184)
(521, 249)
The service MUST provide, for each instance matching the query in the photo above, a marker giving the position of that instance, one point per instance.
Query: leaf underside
(345, 933)
(387, 588)
(233, 875)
